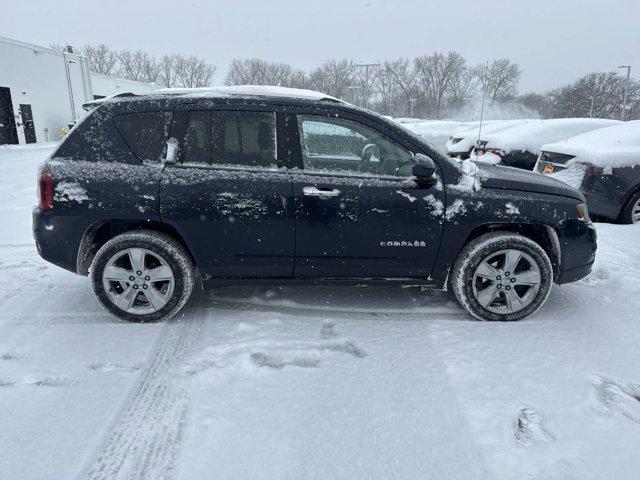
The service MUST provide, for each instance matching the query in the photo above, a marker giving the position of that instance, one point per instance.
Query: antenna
(484, 94)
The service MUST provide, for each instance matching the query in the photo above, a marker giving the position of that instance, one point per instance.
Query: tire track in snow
(144, 441)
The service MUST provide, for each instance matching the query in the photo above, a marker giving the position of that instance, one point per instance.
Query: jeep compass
(152, 194)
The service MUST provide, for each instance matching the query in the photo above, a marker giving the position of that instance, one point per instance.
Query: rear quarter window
(145, 133)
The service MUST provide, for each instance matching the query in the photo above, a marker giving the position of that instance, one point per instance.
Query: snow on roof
(530, 135)
(615, 146)
(249, 91)
(466, 136)
(437, 132)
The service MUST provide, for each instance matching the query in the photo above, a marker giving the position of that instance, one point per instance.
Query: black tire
(482, 247)
(626, 215)
(162, 245)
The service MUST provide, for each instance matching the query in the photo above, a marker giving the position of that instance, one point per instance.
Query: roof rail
(94, 103)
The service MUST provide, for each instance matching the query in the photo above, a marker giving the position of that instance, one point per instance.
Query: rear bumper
(58, 237)
(578, 244)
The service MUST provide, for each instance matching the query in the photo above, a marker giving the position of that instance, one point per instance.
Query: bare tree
(386, 89)
(333, 77)
(364, 80)
(166, 70)
(499, 79)
(102, 59)
(193, 72)
(255, 71)
(435, 73)
(462, 86)
(598, 94)
(130, 64)
(404, 77)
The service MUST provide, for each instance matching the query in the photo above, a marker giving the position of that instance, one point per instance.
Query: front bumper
(578, 244)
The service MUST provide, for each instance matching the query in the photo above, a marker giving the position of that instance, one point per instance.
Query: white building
(42, 91)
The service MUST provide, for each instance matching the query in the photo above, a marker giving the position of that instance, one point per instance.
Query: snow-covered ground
(312, 382)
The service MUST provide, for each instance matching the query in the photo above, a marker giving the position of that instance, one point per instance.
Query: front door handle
(316, 192)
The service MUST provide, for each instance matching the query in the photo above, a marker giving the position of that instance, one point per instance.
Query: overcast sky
(553, 41)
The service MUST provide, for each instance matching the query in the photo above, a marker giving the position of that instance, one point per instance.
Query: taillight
(583, 212)
(45, 189)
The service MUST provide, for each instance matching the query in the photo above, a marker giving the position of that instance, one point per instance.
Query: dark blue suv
(152, 194)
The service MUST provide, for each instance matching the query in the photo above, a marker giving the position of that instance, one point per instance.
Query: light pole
(626, 90)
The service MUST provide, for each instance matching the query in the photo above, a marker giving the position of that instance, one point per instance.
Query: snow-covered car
(519, 145)
(150, 193)
(437, 132)
(463, 139)
(605, 165)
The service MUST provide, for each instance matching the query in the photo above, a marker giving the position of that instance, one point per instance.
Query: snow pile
(436, 132)
(435, 204)
(488, 158)
(614, 146)
(469, 178)
(531, 135)
(572, 175)
(70, 191)
(512, 209)
(464, 138)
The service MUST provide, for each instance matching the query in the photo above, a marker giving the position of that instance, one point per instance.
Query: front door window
(341, 145)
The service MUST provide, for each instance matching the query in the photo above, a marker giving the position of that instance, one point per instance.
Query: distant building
(42, 90)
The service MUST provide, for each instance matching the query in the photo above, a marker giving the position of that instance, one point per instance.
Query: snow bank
(531, 135)
(614, 146)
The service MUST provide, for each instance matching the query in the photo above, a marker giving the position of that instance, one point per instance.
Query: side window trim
(180, 127)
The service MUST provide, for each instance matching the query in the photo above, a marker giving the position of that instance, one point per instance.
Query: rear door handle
(316, 192)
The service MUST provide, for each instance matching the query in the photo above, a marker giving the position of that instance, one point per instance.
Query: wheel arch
(102, 231)
(544, 235)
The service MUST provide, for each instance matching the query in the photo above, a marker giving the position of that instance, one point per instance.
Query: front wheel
(142, 276)
(502, 276)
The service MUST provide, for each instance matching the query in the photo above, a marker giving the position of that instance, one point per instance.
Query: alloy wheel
(506, 281)
(138, 281)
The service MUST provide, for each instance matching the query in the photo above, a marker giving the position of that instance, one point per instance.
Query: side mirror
(172, 151)
(424, 169)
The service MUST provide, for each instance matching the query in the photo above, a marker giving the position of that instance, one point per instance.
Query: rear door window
(145, 133)
(244, 138)
(230, 138)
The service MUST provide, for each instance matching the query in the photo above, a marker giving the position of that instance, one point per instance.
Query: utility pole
(626, 91)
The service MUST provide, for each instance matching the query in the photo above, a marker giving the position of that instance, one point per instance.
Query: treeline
(439, 85)
(174, 70)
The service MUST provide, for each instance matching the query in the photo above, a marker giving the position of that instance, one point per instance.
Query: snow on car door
(356, 215)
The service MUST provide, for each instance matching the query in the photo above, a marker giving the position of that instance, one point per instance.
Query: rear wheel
(631, 211)
(142, 276)
(502, 276)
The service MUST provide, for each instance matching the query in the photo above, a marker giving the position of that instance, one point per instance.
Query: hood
(508, 178)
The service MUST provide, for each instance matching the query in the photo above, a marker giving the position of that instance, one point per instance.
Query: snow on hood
(531, 135)
(615, 146)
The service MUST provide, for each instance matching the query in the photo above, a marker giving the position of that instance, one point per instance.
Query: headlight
(583, 212)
